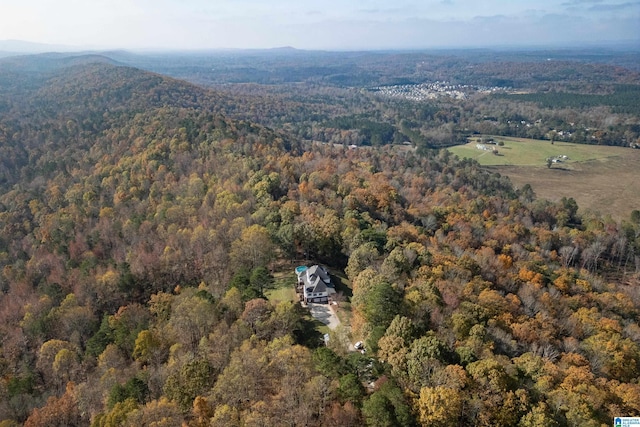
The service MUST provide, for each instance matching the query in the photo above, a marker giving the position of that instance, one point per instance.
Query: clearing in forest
(532, 152)
(600, 178)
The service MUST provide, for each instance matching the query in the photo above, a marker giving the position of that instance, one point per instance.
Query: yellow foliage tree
(439, 406)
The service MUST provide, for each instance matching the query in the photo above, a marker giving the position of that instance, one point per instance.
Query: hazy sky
(318, 24)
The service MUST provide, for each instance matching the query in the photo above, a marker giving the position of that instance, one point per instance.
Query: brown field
(609, 185)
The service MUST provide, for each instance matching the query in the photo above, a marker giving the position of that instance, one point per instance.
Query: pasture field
(600, 178)
(532, 152)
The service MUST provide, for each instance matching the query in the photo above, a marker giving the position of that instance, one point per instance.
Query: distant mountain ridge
(26, 47)
(47, 90)
(50, 61)
(62, 80)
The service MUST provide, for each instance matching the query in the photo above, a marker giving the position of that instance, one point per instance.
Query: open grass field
(531, 152)
(285, 293)
(600, 178)
(283, 286)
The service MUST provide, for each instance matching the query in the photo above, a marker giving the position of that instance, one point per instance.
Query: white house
(316, 284)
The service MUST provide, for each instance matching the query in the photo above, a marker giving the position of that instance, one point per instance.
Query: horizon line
(30, 47)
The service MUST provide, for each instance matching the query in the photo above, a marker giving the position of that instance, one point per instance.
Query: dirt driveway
(325, 314)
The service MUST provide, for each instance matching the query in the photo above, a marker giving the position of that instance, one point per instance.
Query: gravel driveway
(325, 314)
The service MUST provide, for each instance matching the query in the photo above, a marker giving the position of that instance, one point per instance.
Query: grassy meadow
(531, 152)
(600, 178)
(284, 285)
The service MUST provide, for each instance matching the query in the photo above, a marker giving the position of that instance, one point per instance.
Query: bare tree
(568, 255)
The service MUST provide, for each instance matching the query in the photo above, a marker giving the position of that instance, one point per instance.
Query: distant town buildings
(425, 91)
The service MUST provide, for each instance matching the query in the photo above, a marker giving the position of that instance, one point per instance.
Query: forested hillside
(378, 98)
(139, 225)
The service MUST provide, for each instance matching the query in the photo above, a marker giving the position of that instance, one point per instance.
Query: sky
(319, 24)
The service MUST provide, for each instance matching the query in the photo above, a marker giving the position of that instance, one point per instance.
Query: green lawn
(531, 152)
(283, 287)
(281, 294)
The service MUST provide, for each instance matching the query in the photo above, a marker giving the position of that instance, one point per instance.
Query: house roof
(315, 283)
(319, 286)
(318, 271)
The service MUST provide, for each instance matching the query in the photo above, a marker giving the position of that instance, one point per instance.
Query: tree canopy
(141, 227)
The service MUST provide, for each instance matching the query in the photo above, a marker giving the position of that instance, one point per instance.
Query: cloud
(599, 5)
(322, 24)
(380, 11)
(614, 7)
(576, 2)
(482, 31)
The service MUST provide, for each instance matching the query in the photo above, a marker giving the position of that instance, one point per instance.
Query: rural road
(325, 314)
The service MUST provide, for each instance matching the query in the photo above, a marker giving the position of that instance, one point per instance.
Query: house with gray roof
(316, 284)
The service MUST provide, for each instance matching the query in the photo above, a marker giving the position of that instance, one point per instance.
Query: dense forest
(140, 222)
